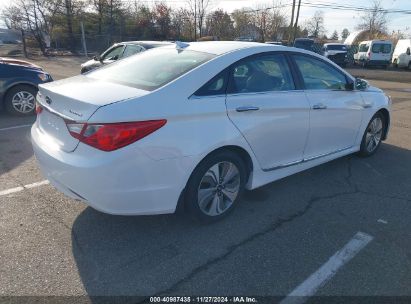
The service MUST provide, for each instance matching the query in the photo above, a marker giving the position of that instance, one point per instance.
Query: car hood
(77, 98)
(18, 62)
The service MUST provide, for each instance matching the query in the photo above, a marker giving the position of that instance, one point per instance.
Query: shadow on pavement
(144, 255)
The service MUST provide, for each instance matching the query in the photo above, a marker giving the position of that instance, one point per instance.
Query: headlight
(43, 76)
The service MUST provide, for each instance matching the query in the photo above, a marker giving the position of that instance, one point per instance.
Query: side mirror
(360, 84)
(114, 57)
(97, 58)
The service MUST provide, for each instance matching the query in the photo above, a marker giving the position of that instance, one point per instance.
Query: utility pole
(296, 19)
(84, 39)
(291, 23)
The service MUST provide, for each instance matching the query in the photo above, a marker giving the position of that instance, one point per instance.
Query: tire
(21, 100)
(409, 65)
(214, 203)
(373, 134)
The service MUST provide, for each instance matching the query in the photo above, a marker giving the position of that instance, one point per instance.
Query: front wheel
(21, 100)
(371, 139)
(215, 186)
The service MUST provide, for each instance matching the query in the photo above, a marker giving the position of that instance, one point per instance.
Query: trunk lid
(76, 99)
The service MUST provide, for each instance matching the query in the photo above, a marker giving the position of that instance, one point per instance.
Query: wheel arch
(240, 151)
(386, 116)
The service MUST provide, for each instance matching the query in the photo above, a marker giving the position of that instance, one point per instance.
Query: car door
(266, 106)
(336, 111)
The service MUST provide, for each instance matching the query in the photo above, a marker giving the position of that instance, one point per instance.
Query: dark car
(304, 43)
(336, 52)
(18, 85)
(118, 51)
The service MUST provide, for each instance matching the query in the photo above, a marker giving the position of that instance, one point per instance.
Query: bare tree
(374, 20)
(315, 25)
(199, 9)
(219, 24)
(35, 16)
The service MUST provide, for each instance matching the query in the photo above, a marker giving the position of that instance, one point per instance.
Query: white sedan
(194, 124)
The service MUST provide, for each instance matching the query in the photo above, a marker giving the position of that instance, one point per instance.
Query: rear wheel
(215, 186)
(371, 139)
(21, 100)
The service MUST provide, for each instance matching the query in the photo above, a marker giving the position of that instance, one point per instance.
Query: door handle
(319, 106)
(247, 108)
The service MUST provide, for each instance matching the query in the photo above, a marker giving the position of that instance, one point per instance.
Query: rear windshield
(336, 47)
(152, 69)
(381, 48)
(363, 48)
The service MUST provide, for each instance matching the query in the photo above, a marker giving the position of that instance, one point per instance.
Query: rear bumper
(123, 182)
(374, 62)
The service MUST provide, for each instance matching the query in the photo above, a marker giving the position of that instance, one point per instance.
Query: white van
(402, 54)
(374, 52)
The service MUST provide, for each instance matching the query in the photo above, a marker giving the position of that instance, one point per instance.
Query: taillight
(113, 136)
(39, 108)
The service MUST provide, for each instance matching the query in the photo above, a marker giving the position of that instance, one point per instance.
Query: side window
(264, 73)
(114, 53)
(318, 75)
(131, 50)
(216, 86)
(364, 48)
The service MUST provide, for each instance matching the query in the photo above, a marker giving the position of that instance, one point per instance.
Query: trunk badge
(48, 100)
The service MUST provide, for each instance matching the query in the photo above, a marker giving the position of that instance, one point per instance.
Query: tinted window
(318, 75)
(262, 74)
(381, 48)
(336, 47)
(114, 53)
(363, 48)
(215, 86)
(153, 69)
(131, 50)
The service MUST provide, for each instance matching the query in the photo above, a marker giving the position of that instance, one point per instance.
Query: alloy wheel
(374, 134)
(219, 188)
(23, 102)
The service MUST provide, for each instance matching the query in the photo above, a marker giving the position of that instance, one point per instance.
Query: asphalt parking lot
(280, 239)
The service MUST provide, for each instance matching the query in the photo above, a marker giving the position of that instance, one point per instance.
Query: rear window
(381, 48)
(152, 69)
(336, 47)
(363, 48)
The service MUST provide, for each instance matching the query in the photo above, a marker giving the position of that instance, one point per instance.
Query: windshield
(336, 47)
(151, 69)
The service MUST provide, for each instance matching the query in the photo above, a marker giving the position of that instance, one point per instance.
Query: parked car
(18, 85)
(118, 51)
(374, 52)
(336, 52)
(197, 123)
(304, 43)
(402, 54)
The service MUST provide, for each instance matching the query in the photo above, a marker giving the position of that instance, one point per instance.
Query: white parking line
(311, 285)
(15, 127)
(21, 188)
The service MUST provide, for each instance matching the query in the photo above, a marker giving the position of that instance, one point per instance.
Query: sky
(334, 19)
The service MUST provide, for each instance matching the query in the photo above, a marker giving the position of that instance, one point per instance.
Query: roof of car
(147, 42)
(334, 43)
(221, 47)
